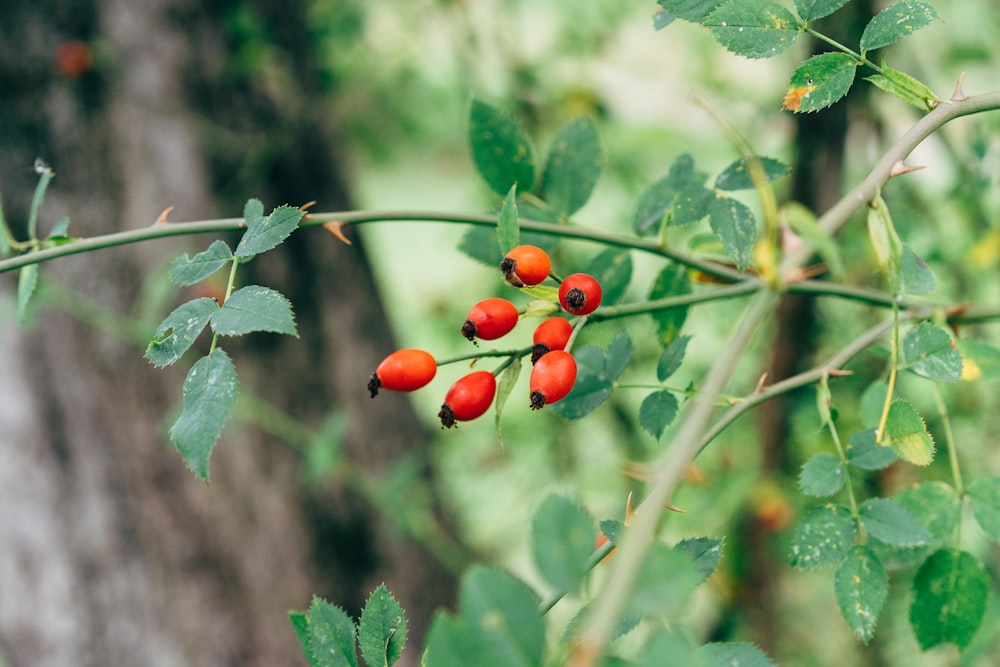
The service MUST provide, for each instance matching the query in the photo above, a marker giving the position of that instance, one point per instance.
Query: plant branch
(598, 626)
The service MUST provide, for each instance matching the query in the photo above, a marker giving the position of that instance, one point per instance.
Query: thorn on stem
(959, 94)
(162, 220)
(898, 169)
(336, 228)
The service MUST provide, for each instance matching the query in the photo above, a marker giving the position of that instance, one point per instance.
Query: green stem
(840, 47)
(483, 354)
(804, 379)
(893, 370)
(686, 444)
(229, 290)
(949, 440)
(847, 481)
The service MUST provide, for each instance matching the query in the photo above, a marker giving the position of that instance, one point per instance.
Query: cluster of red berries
(553, 370)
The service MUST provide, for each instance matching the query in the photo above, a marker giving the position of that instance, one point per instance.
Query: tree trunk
(111, 552)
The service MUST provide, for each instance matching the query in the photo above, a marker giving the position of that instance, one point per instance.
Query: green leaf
(914, 275)
(451, 642)
(888, 522)
(619, 355)
(929, 352)
(331, 636)
(695, 11)
(27, 282)
(508, 228)
(595, 377)
(179, 330)
(505, 385)
(188, 271)
(905, 87)
(984, 496)
(737, 176)
(501, 149)
(499, 620)
(666, 648)
(935, 506)
(657, 412)
(262, 233)
(208, 394)
(613, 269)
(824, 537)
(810, 10)
(907, 434)
(673, 280)
(573, 167)
(734, 225)
(665, 582)
(672, 358)
(822, 475)
(733, 654)
(658, 199)
(896, 22)
(873, 403)
(705, 552)
(562, 540)
(300, 623)
(753, 28)
(819, 82)
(382, 629)
(865, 453)
(950, 592)
(861, 586)
(803, 222)
(254, 308)
(691, 205)
(980, 360)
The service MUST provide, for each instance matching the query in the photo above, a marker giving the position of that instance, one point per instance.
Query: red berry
(403, 370)
(552, 334)
(468, 398)
(580, 294)
(526, 265)
(552, 377)
(73, 59)
(490, 319)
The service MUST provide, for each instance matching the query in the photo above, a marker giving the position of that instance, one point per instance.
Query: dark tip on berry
(538, 351)
(469, 330)
(575, 298)
(374, 384)
(447, 416)
(509, 268)
(537, 400)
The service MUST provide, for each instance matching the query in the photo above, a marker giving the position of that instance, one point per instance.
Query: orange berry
(526, 265)
(468, 398)
(403, 370)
